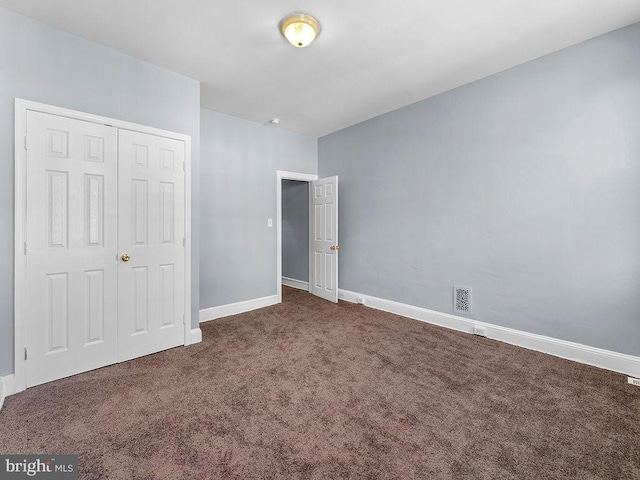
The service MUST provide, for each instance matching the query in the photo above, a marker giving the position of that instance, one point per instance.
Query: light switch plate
(269, 222)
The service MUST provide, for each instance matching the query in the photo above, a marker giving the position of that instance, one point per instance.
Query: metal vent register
(461, 299)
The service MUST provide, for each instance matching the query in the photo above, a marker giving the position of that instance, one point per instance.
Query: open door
(323, 234)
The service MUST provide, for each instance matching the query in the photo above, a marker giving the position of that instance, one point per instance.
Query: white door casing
(284, 175)
(151, 231)
(71, 299)
(66, 227)
(323, 237)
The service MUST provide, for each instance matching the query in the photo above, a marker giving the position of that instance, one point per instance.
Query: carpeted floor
(309, 389)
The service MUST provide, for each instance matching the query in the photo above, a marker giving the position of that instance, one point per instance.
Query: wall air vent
(462, 299)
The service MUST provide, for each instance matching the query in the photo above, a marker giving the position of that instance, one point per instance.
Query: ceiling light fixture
(299, 29)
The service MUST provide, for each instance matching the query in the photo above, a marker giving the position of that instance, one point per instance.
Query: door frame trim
(21, 108)
(284, 175)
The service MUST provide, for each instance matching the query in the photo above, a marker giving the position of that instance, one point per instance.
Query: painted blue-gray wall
(238, 194)
(524, 185)
(295, 230)
(46, 65)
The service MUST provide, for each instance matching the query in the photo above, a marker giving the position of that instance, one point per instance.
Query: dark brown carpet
(308, 389)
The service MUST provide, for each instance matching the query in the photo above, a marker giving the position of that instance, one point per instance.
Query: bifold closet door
(151, 240)
(71, 246)
(105, 246)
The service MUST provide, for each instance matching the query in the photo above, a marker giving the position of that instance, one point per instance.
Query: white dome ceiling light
(299, 29)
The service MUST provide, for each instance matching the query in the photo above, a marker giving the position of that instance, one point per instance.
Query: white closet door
(71, 294)
(151, 232)
(324, 238)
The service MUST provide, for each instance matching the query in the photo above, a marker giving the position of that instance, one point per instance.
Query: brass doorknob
(335, 247)
(125, 257)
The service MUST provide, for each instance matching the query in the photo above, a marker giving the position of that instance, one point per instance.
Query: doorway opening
(295, 234)
(299, 181)
(323, 234)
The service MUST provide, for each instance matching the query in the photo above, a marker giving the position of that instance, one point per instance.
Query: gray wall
(238, 195)
(46, 65)
(295, 230)
(524, 185)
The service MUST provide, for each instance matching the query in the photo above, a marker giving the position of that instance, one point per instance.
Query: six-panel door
(324, 238)
(94, 193)
(71, 294)
(151, 231)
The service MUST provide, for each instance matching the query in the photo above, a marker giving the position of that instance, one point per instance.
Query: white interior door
(323, 261)
(71, 243)
(94, 193)
(151, 240)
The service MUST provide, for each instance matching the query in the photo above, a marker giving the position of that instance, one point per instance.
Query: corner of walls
(522, 185)
(240, 159)
(46, 65)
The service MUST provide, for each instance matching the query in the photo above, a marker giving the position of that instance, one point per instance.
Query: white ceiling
(370, 58)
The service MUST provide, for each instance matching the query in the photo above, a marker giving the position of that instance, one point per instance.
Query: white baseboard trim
(292, 282)
(618, 362)
(236, 308)
(7, 388)
(195, 336)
